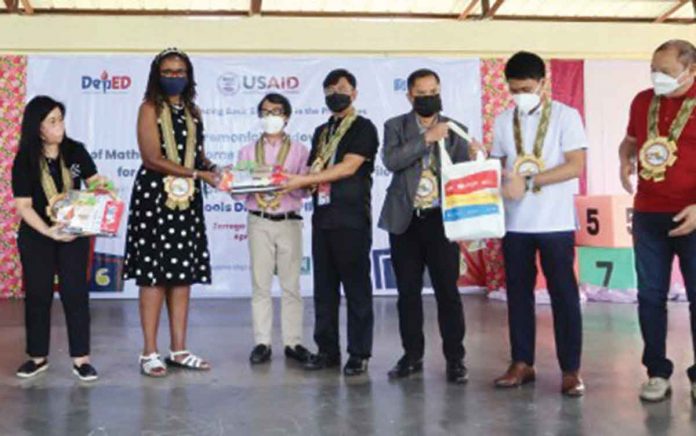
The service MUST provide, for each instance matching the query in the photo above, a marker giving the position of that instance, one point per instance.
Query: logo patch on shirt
(75, 171)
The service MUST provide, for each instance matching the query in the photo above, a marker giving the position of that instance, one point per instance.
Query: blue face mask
(173, 85)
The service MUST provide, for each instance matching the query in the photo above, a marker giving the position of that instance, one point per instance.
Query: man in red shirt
(661, 145)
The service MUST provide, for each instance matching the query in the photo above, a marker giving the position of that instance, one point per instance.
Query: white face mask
(272, 124)
(527, 101)
(664, 84)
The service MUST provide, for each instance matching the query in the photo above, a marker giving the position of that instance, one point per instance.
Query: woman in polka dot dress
(166, 243)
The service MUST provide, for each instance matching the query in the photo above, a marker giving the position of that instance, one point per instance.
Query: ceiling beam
(143, 12)
(255, 7)
(672, 9)
(324, 14)
(491, 12)
(468, 9)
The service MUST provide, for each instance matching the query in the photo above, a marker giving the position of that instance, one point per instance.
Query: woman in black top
(166, 243)
(48, 163)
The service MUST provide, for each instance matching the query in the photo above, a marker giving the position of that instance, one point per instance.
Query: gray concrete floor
(280, 398)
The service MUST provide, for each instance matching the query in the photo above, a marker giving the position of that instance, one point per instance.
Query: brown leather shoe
(517, 374)
(572, 385)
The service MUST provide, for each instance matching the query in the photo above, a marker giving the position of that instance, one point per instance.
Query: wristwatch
(528, 183)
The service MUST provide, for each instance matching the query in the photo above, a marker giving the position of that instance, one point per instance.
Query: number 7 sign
(611, 268)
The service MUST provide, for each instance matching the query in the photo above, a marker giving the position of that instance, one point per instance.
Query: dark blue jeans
(654, 253)
(557, 250)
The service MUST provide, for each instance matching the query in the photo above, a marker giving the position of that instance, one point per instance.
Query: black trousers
(424, 244)
(41, 259)
(342, 257)
(557, 252)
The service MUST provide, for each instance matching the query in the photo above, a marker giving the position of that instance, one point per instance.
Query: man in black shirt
(342, 162)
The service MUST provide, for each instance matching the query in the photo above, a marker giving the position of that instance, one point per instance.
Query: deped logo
(105, 83)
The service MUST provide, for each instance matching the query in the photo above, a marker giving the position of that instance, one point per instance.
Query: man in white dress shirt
(542, 145)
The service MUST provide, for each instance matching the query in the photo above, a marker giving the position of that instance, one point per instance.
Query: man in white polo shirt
(542, 144)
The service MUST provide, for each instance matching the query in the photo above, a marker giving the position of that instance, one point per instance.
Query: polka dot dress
(166, 247)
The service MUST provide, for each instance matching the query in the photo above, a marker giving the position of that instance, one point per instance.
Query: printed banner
(102, 95)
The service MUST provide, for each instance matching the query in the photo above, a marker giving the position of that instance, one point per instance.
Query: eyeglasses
(276, 112)
(167, 72)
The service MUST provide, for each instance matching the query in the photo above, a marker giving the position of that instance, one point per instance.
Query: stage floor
(280, 398)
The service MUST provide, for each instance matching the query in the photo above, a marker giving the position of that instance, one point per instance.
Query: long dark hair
(30, 141)
(154, 93)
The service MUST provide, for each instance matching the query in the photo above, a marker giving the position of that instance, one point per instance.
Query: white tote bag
(472, 206)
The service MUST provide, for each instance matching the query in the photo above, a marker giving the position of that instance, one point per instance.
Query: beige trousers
(276, 247)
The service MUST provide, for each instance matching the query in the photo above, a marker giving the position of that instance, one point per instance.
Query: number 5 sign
(605, 220)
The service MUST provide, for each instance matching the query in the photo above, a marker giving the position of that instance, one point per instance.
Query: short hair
(276, 98)
(525, 65)
(334, 76)
(686, 52)
(419, 74)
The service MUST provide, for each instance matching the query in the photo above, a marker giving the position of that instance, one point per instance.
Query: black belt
(423, 213)
(276, 217)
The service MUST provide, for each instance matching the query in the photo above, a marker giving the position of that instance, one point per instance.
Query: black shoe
(30, 368)
(405, 367)
(457, 372)
(298, 353)
(355, 366)
(85, 372)
(322, 361)
(260, 354)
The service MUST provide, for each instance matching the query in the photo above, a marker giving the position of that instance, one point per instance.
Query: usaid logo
(400, 85)
(106, 83)
(230, 83)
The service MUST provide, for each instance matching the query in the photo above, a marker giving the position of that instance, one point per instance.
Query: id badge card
(324, 194)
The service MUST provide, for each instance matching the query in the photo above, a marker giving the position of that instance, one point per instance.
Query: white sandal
(152, 365)
(191, 361)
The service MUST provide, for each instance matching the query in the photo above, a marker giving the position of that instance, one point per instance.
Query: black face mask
(427, 105)
(338, 102)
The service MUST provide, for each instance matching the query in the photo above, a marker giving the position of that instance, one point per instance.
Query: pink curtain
(12, 95)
